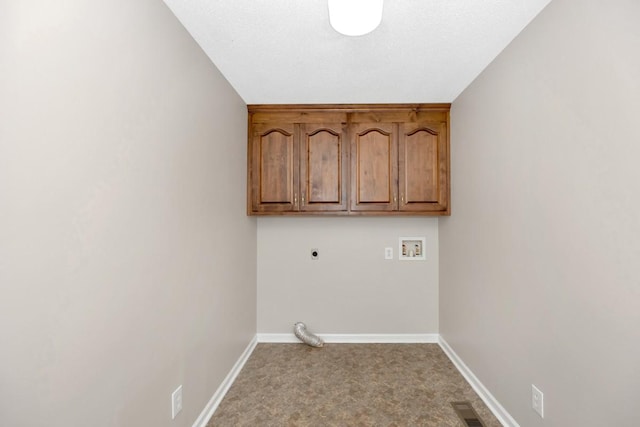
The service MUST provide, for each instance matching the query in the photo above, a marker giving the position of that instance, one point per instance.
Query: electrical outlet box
(176, 402)
(537, 400)
(388, 253)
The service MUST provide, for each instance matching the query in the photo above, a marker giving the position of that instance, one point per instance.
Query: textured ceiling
(285, 51)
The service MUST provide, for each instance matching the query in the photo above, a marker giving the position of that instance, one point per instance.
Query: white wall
(351, 288)
(119, 229)
(540, 261)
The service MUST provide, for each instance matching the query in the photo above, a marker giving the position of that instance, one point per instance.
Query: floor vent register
(467, 414)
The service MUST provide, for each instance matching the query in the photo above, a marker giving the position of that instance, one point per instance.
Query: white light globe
(355, 17)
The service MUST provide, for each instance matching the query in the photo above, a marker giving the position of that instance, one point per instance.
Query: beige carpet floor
(348, 385)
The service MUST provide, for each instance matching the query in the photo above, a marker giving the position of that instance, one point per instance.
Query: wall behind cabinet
(351, 288)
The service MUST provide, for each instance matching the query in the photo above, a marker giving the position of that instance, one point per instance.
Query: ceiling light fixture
(355, 17)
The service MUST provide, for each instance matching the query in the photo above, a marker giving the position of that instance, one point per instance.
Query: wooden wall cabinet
(297, 167)
(348, 160)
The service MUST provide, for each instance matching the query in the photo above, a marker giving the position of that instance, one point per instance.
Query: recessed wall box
(411, 249)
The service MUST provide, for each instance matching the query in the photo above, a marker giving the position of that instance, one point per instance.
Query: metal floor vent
(467, 414)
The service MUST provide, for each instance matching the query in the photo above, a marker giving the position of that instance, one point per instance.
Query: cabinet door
(274, 168)
(423, 167)
(374, 166)
(322, 167)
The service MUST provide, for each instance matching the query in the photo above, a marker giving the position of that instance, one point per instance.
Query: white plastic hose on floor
(300, 330)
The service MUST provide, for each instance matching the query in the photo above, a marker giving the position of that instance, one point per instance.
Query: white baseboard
(355, 338)
(217, 397)
(492, 403)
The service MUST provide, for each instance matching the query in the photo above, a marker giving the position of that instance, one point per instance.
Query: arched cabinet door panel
(274, 168)
(323, 167)
(374, 157)
(423, 167)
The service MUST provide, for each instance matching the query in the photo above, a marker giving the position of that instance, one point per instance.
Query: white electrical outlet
(388, 253)
(176, 402)
(537, 400)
